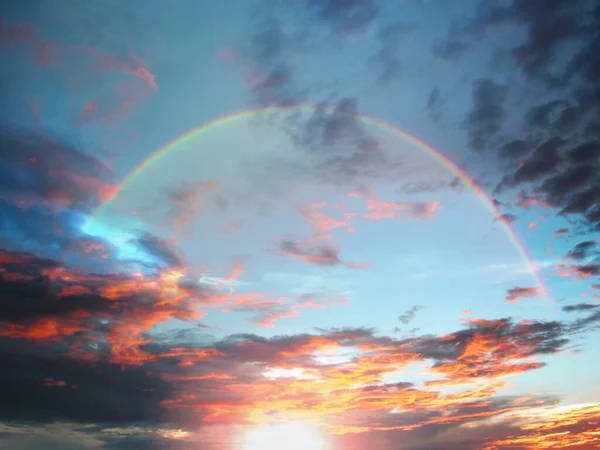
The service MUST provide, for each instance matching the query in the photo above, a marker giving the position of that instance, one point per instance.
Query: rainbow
(369, 120)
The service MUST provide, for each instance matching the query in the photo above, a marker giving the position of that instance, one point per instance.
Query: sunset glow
(289, 436)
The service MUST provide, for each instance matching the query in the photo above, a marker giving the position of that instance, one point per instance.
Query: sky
(320, 224)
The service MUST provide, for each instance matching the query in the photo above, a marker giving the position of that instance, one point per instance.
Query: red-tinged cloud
(320, 255)
(27, 35)
(186, 201)
(61, 304)
(265, 312)
(322, 224)
(123, 99)
(192, 378)
(578, 272)
(291, 382)
(508, 218)
(526, 201)
(49, 382)
(518, 293)
(384, 209)
(42, 171)
(95, 67)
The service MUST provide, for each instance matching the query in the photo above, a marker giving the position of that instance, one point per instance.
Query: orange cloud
(576, 427)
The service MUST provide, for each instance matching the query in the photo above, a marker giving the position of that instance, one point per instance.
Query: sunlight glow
(291, 436)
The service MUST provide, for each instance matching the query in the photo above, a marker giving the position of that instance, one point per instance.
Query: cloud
(158, 249)
(580, 307)
(391, 38)
(45, 301)
(579, 271)
(409, 315)
(186, 378)
(385, 209)
(435, 105)
(186, 200)
(517, 293)
(544, 160)
(559, 188)
(39, 169)
(321, 223)
(508, 217)
(558, 138)
(325, 128)
(266, 59)
(130, 81)
(514, 149)
(345, 17)
(584, 250)
(135, 395)
(553, 428)
(585, 152)
(485, 121)
(321, 255)
(267, 311)
(452, 48)
(81, 336)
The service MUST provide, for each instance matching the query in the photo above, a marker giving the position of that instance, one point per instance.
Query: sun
(289, 436)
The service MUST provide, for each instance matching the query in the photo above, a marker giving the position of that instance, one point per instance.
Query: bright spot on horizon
(289, 436)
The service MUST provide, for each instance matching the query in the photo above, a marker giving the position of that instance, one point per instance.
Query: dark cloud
(326, 128)
(544, 160)
(44, 301)
(435, 105)
(38, 168)
(584, 201)
(453, 46)
(391, 38)
(559, 56)
(585, 270)
(409, 315)
(47, 186)
(545, 115)
(341, 150)
(584, 250)
(580, 307)
(267, 55)
(345, 16)
(550, 26)
(546, 337)
(93, 391)
(588, 323)
(158, 249)
(559, 188)
(514, 149)
(584, 153)
(488, 114)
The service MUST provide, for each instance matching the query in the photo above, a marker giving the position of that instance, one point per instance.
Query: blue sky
(268, 242)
